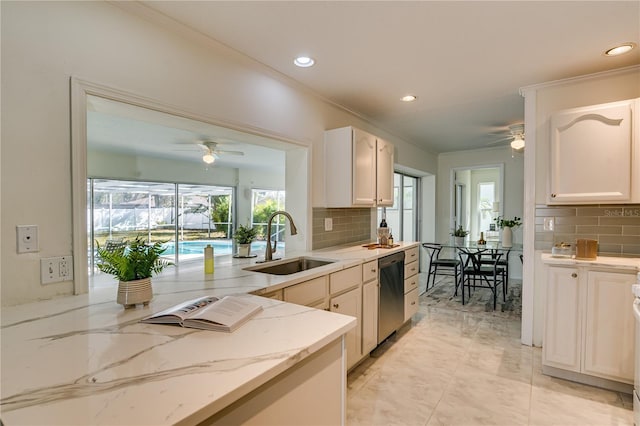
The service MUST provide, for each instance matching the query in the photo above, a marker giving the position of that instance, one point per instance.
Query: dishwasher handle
(391, 259)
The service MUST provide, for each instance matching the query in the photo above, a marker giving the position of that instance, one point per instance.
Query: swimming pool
(220, 247)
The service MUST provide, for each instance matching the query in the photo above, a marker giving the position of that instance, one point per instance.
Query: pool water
(220, 247)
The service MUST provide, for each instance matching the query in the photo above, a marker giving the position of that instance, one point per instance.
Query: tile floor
(463, 368)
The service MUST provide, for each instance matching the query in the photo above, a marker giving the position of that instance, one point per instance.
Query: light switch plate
(27, 238)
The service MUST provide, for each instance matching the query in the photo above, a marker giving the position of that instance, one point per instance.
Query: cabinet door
(609, 327)
(587, 145)
(349, 303)
(369, 316)
(562, 320)
(364, 168)
(384, 186)
(411, 303)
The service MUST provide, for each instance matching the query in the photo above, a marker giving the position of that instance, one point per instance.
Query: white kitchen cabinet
(411, 295)
(358, 169)
(349, 303)
(369, 306)
(609, 327)
(594, 155)
(589, 325)
(562, 319)
(309, 293)
(384, 173)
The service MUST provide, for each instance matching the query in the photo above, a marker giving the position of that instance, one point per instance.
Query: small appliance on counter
(586, 249)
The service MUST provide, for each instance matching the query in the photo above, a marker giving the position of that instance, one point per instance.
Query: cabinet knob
(336, 305)
(413, 303)
(553, 195)
(373, 270)
(574, 275)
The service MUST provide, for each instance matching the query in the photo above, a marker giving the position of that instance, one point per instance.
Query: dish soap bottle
(390, 240)
(208, 259)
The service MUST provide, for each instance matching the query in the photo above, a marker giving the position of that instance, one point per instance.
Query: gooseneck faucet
(268, 254)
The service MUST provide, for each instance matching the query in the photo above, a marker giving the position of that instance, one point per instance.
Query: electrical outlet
(56, 269)
(27, 238)
(328, 224)
(548, 224)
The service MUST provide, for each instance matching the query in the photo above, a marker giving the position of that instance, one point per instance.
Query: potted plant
(132, 263)
(459, 234)
(507, 226)
(244, 236)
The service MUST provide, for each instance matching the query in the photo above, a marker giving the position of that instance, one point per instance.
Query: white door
(349, 304)
(384, 160)
(364, 168)
(563, 324)
(610, 326)
(586, 145)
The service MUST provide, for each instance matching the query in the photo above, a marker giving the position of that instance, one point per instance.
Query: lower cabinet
(369, 316)
(609, 326)
(349, 303)
(589, 323)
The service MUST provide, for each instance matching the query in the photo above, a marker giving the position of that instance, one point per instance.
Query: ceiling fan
(210, 151)
(517, 137)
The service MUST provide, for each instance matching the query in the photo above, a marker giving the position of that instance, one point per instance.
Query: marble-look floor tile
(469, 368)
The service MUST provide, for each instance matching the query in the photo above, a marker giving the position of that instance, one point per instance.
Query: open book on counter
(208, 313)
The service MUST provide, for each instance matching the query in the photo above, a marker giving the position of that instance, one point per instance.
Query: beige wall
(45, 43)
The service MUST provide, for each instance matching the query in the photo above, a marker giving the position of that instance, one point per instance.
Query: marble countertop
(86, 360)
(625, 263)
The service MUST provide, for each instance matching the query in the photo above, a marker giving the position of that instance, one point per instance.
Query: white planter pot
(130, 293)
(507, 237)
(459, 241)
(244, 250)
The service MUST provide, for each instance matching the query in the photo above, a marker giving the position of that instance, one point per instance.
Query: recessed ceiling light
(304, 61)
(619, 50)
(408, 98)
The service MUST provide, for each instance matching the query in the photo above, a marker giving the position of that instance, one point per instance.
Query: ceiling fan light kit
(208, 158)
(517, 143)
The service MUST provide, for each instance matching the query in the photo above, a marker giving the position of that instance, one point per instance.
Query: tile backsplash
(349, 225)
(615, 227)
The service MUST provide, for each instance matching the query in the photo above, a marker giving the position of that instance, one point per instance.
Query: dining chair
(441, 266)
(475, 274)
(489, 259)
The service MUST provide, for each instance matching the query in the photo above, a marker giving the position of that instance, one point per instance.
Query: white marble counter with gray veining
(611, 262)
(86, 360)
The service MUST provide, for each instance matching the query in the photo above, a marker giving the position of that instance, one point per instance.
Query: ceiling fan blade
(224, 152)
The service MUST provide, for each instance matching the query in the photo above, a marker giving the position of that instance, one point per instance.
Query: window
(264, 203)
(403, 216)
(486, 197)
(184, 217)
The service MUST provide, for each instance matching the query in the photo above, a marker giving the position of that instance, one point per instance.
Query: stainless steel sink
(289, 266)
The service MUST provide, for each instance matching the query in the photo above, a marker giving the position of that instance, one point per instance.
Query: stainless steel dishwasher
(391, 301)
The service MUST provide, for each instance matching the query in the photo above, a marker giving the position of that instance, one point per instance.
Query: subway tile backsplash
(349, 225)
(615, 227)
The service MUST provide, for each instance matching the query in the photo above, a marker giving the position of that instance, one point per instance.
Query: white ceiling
(465, 60)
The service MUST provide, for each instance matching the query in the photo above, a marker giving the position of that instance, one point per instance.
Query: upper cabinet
(595, 155)
(358, 169)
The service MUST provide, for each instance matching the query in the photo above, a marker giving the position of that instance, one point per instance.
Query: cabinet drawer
(411, 255)
(347, 278)
(410, 283)
(410, 269)
(410, 304)
(307, 293)
(277, 295)
(370, 271)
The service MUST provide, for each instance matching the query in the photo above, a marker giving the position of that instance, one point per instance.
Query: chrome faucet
(268, 254)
